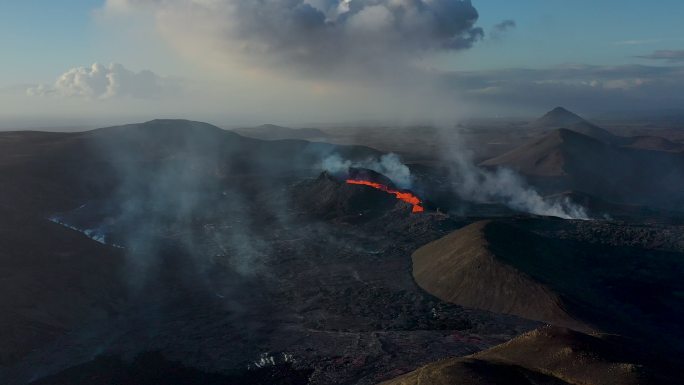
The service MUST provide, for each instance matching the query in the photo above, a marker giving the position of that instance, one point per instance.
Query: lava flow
(404, 196)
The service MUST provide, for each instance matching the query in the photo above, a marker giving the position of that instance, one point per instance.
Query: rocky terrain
(177, 251)
(628, 286)
(211, 270)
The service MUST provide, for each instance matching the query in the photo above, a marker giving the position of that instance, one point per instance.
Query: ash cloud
(104, 82)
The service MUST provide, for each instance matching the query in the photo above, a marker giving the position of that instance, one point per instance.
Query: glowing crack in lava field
(402, 195)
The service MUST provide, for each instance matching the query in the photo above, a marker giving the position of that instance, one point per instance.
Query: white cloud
(105, 82)
(313, 38)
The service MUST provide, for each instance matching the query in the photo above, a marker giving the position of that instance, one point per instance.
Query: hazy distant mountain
(273, 132)
(563, 159)
(596, 132)
(558, 117)
(552, 154)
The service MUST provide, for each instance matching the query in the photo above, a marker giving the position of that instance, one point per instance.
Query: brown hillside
(563, 273)
(566, 160)
(551, 155)
(461, 268)
(549, 355)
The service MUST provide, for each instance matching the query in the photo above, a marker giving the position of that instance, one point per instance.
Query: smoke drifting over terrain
(388, 165)
(506, 187)
(172, 199)
(470, 182)
(190, 193)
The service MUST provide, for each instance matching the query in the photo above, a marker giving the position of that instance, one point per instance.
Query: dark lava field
(174, 252)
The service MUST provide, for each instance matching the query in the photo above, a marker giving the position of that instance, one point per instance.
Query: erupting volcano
(402, 195)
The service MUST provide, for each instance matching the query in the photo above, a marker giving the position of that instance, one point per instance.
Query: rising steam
(388, 165)
(504, 186)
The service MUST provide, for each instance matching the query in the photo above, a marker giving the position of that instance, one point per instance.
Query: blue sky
(552, 32)
(39, 38)
(42, 39)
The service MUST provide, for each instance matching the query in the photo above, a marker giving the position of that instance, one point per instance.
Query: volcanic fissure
(402, 195)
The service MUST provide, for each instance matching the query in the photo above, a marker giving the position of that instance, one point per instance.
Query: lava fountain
(402, 195)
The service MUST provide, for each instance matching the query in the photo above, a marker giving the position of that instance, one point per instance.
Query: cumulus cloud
(673, 56)
(104, 82)
(316, 36)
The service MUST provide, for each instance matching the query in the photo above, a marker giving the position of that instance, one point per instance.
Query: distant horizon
(78, 125)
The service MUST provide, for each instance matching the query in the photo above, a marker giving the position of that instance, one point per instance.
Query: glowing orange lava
(404, 196)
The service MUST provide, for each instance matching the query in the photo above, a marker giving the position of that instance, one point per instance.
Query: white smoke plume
(506, 187)
(389, 165)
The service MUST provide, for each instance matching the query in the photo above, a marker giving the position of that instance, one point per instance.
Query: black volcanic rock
(330, 196)
(370, 176)
(596, 277)
(242, 284)
(154, 368)
(157, 171)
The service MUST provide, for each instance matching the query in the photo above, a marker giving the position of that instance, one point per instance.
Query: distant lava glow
(404, 196)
